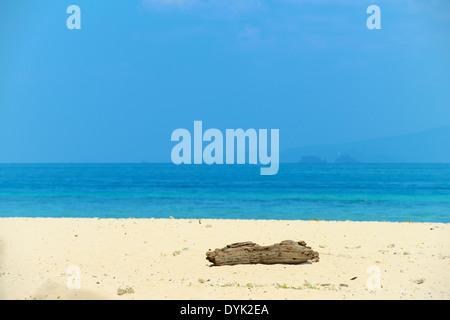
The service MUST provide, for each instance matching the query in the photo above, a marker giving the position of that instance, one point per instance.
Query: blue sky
(137, 70)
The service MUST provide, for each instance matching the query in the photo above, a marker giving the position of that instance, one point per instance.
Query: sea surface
(360, 192)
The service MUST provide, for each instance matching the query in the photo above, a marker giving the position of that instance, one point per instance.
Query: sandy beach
(166, 259)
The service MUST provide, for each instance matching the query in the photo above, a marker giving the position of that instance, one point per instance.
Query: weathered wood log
(285, 252)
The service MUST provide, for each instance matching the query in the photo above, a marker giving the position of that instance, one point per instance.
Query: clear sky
(138, 69)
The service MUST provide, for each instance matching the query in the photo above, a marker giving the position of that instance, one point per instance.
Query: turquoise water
(362, 192)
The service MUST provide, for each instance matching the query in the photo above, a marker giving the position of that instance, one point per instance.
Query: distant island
(430, 146)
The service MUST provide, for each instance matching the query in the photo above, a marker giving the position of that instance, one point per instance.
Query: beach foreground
(166, 259)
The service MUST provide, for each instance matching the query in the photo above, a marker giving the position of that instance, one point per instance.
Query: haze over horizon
(116, 89)
(367, 150)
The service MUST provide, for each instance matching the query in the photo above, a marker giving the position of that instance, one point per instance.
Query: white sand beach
(166, 259)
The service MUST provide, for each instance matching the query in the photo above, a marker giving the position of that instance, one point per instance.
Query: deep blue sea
(362, 192)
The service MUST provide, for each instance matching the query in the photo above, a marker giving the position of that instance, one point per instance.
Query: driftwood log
(285, 252)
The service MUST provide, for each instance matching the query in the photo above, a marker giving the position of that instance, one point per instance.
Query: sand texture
(166, 259)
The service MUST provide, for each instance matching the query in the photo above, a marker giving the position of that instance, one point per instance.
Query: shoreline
(166, 259)
(224, 219)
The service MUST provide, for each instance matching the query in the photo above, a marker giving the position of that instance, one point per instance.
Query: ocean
(328, 191)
